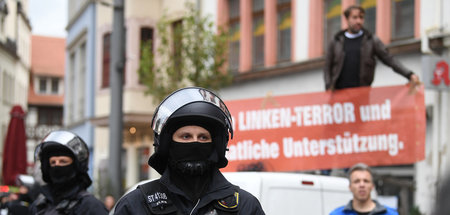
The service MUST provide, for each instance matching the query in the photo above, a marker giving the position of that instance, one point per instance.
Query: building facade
(87, 98)
(15, 59)
(46, 89)
(277, 47)
(79, 69)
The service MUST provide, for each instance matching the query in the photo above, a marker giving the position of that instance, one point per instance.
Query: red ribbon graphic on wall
(441, 74)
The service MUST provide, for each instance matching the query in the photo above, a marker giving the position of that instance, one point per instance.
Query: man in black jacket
(350, 59)
(191, 131)
(64, 161)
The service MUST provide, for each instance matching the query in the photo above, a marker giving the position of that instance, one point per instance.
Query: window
(258, 33)
(403, 19)
(106, 60)
(50, 116)
(233, 59)
(47, 85)
(55, 85)
(146, 40)
(177, 36)
(370, 6)
(2, 24)
(3, 14)
(81, 80)
(332, 19)
(146, 36)
(42, 85)
(71, 89)
(284, 30)
(8, 88)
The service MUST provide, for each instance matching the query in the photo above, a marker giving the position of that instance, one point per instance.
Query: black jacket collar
(340, 35)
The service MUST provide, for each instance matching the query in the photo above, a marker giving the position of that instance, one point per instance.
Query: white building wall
(209, 8)
(301, 29)
(14, 71)
(435, 21)
(146, 8)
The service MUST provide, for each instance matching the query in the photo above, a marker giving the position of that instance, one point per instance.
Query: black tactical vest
(159, 201)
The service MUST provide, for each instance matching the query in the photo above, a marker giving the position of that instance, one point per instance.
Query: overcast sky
(48, 17)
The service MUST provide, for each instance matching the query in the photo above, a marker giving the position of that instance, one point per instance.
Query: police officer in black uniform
(191, 131)
(64, 161)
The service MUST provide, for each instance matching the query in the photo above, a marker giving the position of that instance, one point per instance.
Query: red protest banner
(377, 126)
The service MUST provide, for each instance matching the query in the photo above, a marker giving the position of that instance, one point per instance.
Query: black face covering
(191, 169)
(191, 158)
(63, 176)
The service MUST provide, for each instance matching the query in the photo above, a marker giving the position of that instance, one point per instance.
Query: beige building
(15, 39)
(141, 18)
(89, 46)
(46, 91)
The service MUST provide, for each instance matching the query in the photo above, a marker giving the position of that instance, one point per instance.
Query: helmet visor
(183, 97)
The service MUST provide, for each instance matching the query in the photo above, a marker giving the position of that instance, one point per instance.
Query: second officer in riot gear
(64, 157)
(191, 131)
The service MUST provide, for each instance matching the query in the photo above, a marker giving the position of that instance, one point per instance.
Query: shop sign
(436, 72)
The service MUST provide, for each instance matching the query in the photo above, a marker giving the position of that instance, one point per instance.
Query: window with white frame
(2, 24)
(42, 85)
(81, 80)
(106, 60)
(402, 19)
(258, 33)
(284, 30)
(8, 88)
(55, 85)
(48, 85)
(234, 25)
(332, 20)
(370, 16)
(70, 88)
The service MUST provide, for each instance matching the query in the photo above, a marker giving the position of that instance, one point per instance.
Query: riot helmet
(58, 143)
(190, 106)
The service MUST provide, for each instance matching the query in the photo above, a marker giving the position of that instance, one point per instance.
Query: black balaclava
(62, 176)
(62, 179)
(191, 163)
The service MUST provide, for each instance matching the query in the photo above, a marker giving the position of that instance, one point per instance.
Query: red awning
(15, 151)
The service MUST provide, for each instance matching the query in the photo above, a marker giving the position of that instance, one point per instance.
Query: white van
(294, 193)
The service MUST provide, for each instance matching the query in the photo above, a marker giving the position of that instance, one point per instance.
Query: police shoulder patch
(229, 203)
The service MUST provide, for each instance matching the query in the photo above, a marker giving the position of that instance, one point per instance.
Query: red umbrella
(15, 151)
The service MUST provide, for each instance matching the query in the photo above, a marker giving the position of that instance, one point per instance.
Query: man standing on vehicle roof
(361, 184)
(350, 59)
(191, 131)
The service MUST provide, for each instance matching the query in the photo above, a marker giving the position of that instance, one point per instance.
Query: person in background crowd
(109, 202)
(64, 164)
(3, 201)
(16, 205)
(350, 59)
(191, 131)
(361, 185)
